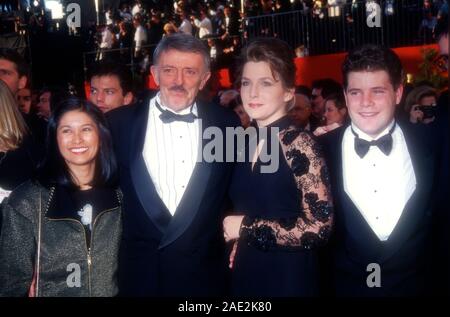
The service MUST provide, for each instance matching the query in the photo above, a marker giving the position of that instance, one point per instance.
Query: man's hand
(415, 115)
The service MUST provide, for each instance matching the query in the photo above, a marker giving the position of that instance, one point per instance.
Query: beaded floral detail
(313, 226)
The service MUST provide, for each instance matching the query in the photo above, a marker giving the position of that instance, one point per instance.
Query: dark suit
(161, 254)
(403, 257)
(441, 234)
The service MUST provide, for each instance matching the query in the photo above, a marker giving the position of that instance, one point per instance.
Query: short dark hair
(17, 59)
(338, 99)
(441, 28)
(277, 53)
(53, 169)
(184, 43)
(57, 94)
(109, 68)
(303, 90)
(328, 87)
(372, 58)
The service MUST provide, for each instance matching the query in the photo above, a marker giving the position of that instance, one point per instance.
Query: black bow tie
(384, 143)
(167, 116)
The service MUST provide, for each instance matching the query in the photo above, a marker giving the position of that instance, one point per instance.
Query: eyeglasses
(314, 97)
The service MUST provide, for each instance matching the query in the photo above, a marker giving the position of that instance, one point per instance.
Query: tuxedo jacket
(404, 259)
(161, 254)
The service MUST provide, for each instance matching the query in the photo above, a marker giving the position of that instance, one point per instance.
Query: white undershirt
(379, 185)
(170, 153)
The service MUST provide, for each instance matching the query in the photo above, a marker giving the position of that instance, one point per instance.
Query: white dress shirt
(185, 27)
(140, 37)
(379, 185)
(107, 39)
(170, 153)
(204, 26)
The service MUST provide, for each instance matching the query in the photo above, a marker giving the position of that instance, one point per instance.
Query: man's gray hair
(184, 43)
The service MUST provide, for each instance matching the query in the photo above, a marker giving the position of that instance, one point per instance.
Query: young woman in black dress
(279, 218)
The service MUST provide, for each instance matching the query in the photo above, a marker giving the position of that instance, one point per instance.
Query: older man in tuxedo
(173, 197)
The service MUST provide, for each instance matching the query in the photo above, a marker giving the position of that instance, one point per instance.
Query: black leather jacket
(38, 236)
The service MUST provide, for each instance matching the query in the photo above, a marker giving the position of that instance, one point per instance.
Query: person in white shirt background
(140, 35)
(203, 24)
(185, 26)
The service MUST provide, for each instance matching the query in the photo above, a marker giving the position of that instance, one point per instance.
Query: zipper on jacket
(89, 257)
(89, 262)
(88, 250)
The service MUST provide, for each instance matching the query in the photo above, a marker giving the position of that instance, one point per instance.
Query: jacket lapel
(347, 215)
(143, 184)
(414, 212)
(195, 191)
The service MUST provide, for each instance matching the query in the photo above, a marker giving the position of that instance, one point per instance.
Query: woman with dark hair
(280, 217)
(335, 114)
(60, 232)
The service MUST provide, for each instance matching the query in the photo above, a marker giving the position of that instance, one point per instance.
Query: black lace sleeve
(312, 227)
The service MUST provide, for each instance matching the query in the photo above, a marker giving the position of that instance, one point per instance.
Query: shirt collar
(367, 137)
(192, 108)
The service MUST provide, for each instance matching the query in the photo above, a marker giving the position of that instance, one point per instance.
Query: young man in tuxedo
(173, 198)
(382, 175)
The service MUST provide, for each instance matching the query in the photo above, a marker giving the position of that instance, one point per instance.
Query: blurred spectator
(301, 51)
(13, 69)
(111, 86)
(169, 28)
(218, 23)
(125, 38)
(335, 114)
(420, 104)
(441, 36)
(226, 96)
(203, 24)
(156, 29)
(185, 26)
(301, 112)
(231, 23)
(213, 52)
(43, 106)
(125, 13)
(140, 36)
(317, 9)
(428, 22)
(322, 89)
(109, 16)
(23, 97)
(106, 42)
(137, 8)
